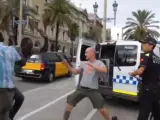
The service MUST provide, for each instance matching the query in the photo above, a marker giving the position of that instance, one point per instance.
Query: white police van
(121, 57)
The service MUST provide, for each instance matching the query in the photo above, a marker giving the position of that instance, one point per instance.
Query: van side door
(127, 59)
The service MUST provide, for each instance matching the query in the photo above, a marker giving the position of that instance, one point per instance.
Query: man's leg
(156, 106)
(145, 105)
(18, 98)
(72, 100)
(6, 101)
(98, 103)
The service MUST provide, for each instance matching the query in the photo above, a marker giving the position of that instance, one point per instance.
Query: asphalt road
(45, 101)
(25, 85)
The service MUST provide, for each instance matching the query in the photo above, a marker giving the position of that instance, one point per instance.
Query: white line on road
(90, 115)
(32, 90)
(44, 107)
(35, 89)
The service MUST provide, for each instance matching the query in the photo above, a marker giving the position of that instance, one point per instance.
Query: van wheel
(50, 78)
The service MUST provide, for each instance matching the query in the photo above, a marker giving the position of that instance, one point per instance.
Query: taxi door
(61, 69)
(83, 44)
(127, 59)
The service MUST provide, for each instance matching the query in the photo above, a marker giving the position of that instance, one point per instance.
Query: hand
(65, 63)
(42, 33)
(132, 74)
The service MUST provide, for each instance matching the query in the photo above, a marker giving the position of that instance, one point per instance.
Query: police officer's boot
(114, 118)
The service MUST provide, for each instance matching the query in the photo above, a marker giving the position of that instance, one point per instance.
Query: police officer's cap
(150, 40)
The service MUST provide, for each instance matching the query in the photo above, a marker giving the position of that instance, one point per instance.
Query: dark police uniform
(150, 88)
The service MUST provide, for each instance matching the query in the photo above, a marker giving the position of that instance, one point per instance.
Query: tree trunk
(45, 46)
(72, 50)
(57, 35)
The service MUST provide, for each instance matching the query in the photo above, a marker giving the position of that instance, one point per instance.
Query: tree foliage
(140, 25)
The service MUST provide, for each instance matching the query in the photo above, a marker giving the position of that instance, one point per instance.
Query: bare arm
(100, 69)
(45, 46)
(138, 71)
(71, 69)
(142, 66)
(75, 70)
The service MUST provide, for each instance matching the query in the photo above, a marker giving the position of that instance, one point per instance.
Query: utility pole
(95, 7)
(20, 23)
(104, 20)
(115, 5)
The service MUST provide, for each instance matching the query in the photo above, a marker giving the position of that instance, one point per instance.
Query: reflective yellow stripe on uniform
(125, 92)
(147, 54)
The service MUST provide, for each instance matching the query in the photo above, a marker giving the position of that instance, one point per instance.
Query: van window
(126, 55)
(35, 59)
(83, 49)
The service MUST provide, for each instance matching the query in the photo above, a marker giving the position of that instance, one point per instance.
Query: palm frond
(141, 23)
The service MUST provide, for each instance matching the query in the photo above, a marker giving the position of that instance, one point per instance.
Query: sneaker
(114, 118)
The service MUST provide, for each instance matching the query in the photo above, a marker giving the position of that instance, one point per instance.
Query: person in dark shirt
(149, 70)
(25, 52)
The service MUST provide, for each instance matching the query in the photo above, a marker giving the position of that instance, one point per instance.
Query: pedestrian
(8, 57)
(25, 52)
(88, 85)
(18, 101)
(149, 70)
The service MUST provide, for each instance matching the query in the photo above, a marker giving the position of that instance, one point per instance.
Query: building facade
(64, 40)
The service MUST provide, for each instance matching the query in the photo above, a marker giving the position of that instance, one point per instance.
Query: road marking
(32, 90)
(44, 107)
(38, 88)
(90, 115)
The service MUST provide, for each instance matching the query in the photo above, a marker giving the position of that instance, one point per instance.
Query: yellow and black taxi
(45, 66)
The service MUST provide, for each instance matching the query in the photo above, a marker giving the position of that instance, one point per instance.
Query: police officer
(149, 70)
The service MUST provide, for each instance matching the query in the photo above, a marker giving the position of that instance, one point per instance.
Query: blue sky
(125, 7)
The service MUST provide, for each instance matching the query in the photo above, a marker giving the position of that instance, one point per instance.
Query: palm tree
(59, 13)
(10, 7)
(140, 25)
(73, 33)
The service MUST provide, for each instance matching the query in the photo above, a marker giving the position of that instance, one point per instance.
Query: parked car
(45, 66)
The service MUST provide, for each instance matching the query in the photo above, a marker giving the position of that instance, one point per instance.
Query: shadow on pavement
(122, 103)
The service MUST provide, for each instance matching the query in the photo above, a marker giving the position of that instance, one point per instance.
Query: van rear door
(127, 59)
(83, 44)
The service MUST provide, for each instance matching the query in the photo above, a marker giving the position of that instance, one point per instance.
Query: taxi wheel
(50, 78)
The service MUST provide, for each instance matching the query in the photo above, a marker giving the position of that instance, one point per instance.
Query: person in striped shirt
(8, 57)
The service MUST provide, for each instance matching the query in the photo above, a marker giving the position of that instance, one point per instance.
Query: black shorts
(80, 93)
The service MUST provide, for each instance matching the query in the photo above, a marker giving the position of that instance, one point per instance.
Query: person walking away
(18, 101)
(149, 70)
(8, 57)
(88, 86)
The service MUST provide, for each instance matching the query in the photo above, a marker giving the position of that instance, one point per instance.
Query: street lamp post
(18, 20)
(27, 14)
(115, 5)
(104, 20)
(95, 7)
(20, 23)
(13, 16)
